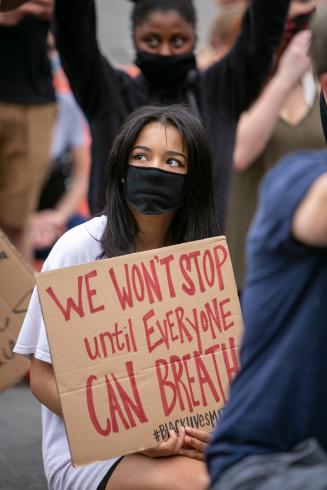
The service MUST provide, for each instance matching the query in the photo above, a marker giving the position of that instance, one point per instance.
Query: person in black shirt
(164, 34)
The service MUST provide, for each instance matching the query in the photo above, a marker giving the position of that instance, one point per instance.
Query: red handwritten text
(77, 305)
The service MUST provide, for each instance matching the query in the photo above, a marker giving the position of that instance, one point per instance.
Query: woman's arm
(309, 224)
(6, 5)
(242, 73)
(68, 204)
(49, 224)
(92, 79)
(257, 125)
(14, 11)
(43, 385)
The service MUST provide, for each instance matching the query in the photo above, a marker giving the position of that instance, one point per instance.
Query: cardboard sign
(16, 285)
(142, 344)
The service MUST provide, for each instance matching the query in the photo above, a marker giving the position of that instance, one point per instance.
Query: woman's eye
(139, 157)
(152, 41)
(177, 41)
(174, 163)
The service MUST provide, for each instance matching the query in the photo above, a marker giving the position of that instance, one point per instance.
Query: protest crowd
(123, 182)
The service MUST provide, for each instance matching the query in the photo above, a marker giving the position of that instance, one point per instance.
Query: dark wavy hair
(196, 218)
(143, 8)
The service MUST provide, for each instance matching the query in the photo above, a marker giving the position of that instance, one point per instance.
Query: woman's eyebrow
(141, 147)
(174, 153)
(169, 152)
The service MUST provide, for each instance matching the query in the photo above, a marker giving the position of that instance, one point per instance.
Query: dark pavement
(20, 440)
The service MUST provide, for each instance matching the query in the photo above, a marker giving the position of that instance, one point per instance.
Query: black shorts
(103, 484)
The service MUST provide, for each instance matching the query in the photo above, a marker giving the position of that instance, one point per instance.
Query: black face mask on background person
(323, 114)
(165, 72)
(154, 191)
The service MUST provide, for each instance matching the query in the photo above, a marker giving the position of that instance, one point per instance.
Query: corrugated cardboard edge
(20, 365)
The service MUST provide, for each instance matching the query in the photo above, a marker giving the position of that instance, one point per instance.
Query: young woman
(158, 193)
(164, 37)
(285, 118)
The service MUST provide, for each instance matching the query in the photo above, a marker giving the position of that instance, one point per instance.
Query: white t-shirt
(78, 246)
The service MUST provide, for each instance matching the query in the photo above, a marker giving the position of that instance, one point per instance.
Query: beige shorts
(26, 133)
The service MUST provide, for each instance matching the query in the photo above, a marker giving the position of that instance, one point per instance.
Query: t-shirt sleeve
(32, 339)
(281, 193)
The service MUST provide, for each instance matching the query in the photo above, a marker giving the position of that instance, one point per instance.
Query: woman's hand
(46, 227)
(171, 447)
(19, 8)
(295, 61)
(196, 442)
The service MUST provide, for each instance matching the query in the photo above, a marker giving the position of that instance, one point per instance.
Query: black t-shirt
(25, 71)
(220, 94)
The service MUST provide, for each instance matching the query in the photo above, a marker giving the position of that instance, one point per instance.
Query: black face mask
(165, 72)
(323, 114)
(154, 191)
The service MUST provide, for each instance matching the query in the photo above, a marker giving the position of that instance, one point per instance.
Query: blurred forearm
(6, 5)
(68, 205)
(256, 126)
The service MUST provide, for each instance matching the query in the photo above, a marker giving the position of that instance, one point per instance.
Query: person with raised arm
(164, 37)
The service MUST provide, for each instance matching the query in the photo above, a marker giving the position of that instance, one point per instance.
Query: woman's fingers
(196, 444)
(199, 434)
(174, 443)
(180, 440)
(196, 439)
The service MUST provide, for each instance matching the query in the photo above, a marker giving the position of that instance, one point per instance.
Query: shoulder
(294, 174)
(281, 193)
(79, 245)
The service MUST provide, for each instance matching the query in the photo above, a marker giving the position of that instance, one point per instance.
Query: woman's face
(165, 33)
(159, 146)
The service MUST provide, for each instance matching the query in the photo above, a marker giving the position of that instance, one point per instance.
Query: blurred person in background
(285, 118)
(222, 33)
(27, 115)
(273, 430)
(65, 190)
(164, 36)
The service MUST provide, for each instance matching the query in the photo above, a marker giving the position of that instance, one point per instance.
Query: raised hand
(40, 8)
(295, 61)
